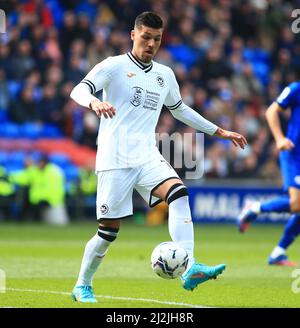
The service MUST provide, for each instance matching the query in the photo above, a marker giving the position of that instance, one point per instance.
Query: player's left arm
(236, 138)
(190, 117)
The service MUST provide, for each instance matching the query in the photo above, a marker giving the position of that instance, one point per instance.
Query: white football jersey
(138, 93)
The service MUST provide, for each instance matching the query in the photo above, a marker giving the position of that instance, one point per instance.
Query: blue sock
(280, 204)
(291, 231)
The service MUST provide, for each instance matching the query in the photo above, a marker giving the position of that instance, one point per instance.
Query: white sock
(255, 207)
(277, 251)
(94, 252)
(181, 227)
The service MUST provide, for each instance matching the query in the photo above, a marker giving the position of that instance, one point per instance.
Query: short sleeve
(286, 98)
(173, 99)
(100, 75)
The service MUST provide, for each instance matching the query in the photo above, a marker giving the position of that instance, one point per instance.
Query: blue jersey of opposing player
(290, 98)
(290, 159)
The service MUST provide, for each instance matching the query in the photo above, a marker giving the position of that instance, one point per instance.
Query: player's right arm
(97, 79)
(284, 101)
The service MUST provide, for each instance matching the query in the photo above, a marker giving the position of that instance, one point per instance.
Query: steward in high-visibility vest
(7, 195)
(6, 187)
(46, 182)
(88, 181)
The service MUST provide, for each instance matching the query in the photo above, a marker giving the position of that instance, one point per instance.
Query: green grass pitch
(41, 264)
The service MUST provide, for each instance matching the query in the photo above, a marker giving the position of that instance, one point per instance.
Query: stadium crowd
(231, 59)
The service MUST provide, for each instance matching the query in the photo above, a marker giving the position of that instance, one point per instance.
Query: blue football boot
(281, 260)
(199, 273)
(83, 294)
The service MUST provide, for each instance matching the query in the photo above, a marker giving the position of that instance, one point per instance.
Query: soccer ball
(169, 260)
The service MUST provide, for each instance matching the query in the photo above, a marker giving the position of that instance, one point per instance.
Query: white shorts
(115, 187)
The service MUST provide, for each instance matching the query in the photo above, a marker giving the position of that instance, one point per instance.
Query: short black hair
(44, 158)
(149, 19)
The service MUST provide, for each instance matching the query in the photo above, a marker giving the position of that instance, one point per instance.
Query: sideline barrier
(223, 204)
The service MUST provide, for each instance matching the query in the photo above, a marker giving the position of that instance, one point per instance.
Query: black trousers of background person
(6, 207)
(26, 211)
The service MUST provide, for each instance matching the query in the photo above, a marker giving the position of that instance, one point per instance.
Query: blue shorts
(290, 169)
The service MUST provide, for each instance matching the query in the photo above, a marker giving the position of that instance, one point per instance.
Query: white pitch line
(147, 300)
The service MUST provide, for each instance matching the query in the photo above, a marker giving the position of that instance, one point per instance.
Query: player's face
(146, 42)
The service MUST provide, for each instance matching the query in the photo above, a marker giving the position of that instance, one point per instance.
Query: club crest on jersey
(137, 96)
(160, 81)
(104, 209)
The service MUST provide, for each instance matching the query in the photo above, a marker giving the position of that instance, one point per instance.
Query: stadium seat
(35, 155)
(14, 88)
(51, 131)
(17, 158)
(31, 130)
(3, 158)
(3, 116)
(10, 130)
(59, 159)
(71, 172)
(11, 168)
(262, 71)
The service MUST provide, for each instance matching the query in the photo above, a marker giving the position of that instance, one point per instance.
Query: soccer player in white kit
(135, 88)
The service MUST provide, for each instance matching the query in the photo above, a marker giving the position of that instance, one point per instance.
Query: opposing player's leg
(251, 211)
(290, 170)
(291, 231)
(114, 202)
(164, 184)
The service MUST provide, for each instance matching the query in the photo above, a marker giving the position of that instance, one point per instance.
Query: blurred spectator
(34, 80)
(83, 30)
(22, 61)
(67, 32)
(244, 19)
(25, 109)
(54, 75)
(46, 193)
(5, 99)
(7, 195)
(87, 7)
(89, 133)
(213, 66)
(5, 60)
(75, 70)
(284, 65)
(41, 9)
(215, 164)
(51, 45)
(98, 51)
(88, 179)
(50, 105)
(245, 83)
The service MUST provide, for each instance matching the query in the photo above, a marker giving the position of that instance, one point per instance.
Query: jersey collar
(145, 68)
